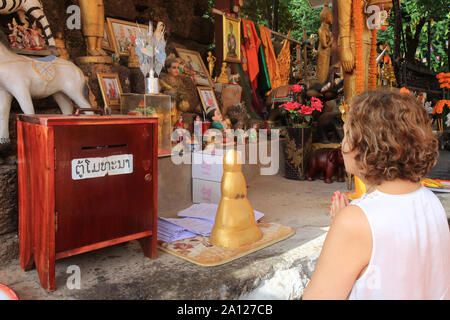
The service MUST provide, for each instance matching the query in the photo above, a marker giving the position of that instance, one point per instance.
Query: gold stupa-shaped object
(235, 224)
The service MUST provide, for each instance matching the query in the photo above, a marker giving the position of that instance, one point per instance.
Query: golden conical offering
(235, 224)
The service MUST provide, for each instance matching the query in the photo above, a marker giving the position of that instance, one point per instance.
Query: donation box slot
(103, 183)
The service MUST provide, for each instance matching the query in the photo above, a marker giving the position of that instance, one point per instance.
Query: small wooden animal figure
(235, 224)
(327, 162)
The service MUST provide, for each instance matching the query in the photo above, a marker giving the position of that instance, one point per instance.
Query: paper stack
(170, 232)
(198, 219)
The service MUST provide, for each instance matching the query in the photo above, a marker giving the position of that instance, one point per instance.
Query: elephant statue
(327, 162)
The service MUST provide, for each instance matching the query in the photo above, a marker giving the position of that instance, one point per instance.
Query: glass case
(156, 106)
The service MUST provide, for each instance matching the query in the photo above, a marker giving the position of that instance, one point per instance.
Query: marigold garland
(373, 72)
(359, 44)
(439, 107)
(444, 80)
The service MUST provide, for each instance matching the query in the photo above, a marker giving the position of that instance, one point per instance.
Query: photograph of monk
(232, 39)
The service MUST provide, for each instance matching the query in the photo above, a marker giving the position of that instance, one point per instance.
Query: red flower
(291, 106)
(296, 89)
(306, 110)
(316, 104)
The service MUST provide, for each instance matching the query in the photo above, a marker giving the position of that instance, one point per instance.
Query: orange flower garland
(444, 80)
(359, 61)
(439, 107)
(373, 72)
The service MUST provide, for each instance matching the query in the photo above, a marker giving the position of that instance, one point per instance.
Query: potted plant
(299, 114)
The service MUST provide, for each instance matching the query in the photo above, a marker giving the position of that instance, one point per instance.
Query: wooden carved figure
(25, 78)
(326, 40)
(326, 162)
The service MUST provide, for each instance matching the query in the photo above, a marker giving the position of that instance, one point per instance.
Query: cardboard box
(208, 166)
(204, 191)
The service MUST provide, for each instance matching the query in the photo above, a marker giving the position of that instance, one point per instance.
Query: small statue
(223, 78)
(61, 46)
(25, 36)
(133, 60)
(171, 84)
(36, 38)
(215, 117)
(234, 79)
(179, 125)
(326, 40)
(235, 224)
(327, 162)
(14, 38)
(211, 63)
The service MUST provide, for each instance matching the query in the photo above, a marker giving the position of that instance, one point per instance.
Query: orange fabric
(284, 64)
(271, 58)
(359, 43)
(251, 45)
(373, 72)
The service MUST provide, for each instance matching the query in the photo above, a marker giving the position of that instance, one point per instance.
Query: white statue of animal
(33, 8)
(26, 78)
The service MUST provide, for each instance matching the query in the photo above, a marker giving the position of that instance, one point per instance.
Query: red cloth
(251, 46)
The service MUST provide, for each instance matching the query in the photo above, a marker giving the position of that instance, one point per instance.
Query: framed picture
(111, 89)
(231, 39)
(193, 65)
(106, 42)
(208, 99)
(123, 34)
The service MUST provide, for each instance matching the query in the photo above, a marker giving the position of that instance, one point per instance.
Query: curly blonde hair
(392, 136)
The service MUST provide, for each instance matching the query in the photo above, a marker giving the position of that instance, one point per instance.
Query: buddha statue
(347, 42)
(93, 26)
(348, 54)
(326, 41)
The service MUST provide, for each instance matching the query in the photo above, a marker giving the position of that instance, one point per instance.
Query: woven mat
(200, 251)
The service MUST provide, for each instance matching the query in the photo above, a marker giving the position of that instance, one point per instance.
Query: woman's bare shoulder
(353, 222)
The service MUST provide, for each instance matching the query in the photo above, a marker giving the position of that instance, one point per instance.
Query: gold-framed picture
(208, 98)
(194, 66)
(231, 39)
(111, 90)
(107, 39)
(123, 34)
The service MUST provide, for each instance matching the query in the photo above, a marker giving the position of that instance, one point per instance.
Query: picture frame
(231, 39)
(107, 42)
(194, 66)
(111, 90)
(208, 98)
(123, 34)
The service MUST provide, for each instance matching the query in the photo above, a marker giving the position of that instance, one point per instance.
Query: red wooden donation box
(85, 183)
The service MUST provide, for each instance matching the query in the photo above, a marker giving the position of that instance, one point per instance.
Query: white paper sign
(100, 167)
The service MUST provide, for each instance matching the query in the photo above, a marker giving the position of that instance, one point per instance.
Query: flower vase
(151, 85)
(297, 151)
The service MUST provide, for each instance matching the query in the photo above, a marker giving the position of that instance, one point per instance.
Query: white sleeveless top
(411, 248)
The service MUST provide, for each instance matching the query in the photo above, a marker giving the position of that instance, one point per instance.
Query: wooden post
(429, 44)
(305, 50)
